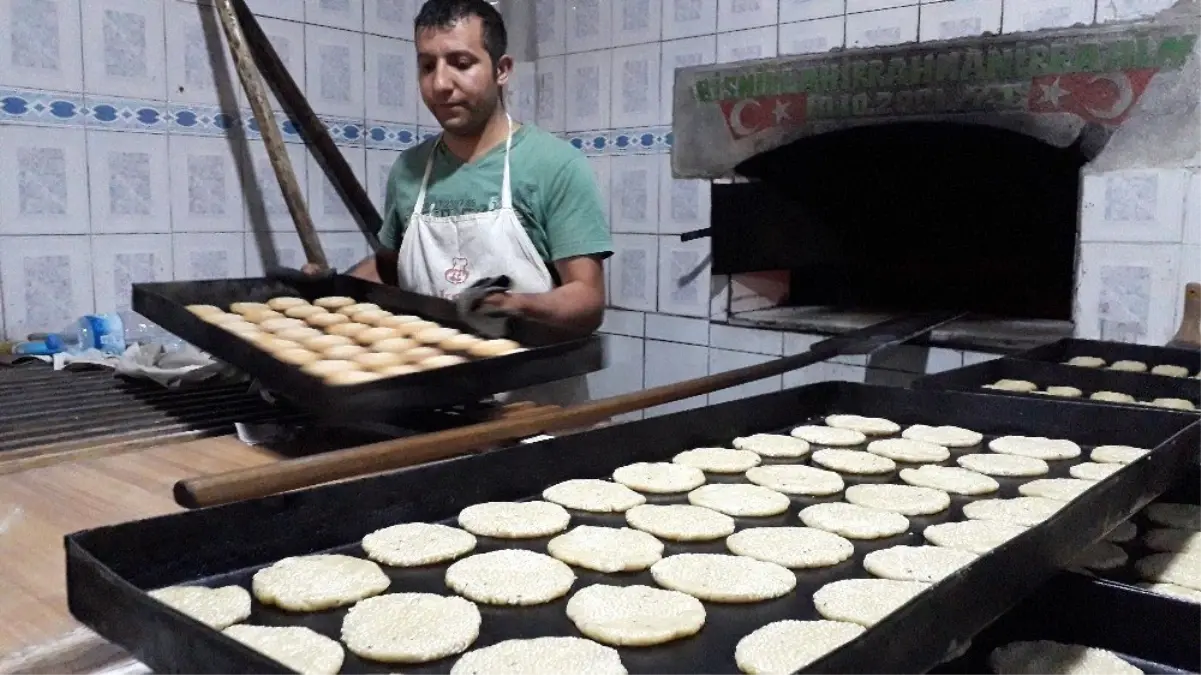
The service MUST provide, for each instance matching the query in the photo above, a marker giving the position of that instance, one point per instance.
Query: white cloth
(442, 255)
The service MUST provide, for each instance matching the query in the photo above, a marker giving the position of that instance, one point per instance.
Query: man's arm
(577, 304)
(379, 268)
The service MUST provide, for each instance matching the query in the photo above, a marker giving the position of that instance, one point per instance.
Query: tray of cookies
(1055, 380)
(1119, 356)
(346, 348)
(835, 527)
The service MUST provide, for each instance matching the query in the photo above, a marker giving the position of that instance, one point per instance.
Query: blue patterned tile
(345, 131)
(390, 136)
(41, 108)
(123, 114)
(287, 128)
(426, 133)
(195, 119)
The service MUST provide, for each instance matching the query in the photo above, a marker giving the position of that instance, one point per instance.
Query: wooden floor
(39, 506)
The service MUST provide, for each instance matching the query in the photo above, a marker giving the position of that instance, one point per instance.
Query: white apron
(443, 255)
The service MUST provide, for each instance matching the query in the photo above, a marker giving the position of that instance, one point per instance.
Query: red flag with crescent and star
(749, 116)
(1104, 98)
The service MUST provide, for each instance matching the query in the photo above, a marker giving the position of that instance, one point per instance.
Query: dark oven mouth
(908, 217)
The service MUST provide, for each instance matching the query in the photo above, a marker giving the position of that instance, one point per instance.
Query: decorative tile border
(640, 141)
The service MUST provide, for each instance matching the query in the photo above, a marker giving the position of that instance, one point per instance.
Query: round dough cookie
(1173, 540)
(1101, 556)
(326, 320)
(736, 499)
(374, 335)
(240, 327)
(1174, 591)
(590, 494)
(347, 378)
(432, 336)
(659, 477)
(283, 303)
(510, 577)
(927, 564)
(1026, 511)
(271, 343)
(864, 601)
(1003, 465)
(440, 361)
(334, 302)
(217, 608)
(459, 343)
(325, 368)
(351, 310)
(1111, 396)
(854, 521)
(245, 308)
(297, 356)
(1022, 386)
(395, 628)
(906, 500)
(298, 334)
(261, 315)
(417, 354)
(788, 646)
(1174, 403)
(796, 479)
(791, 547)
(514, 520)
(606, 549)
(541, 656)
(417, 544)
(304, 311)
(717, 577)
(908, 450)
(680, 522)
(946, 436)
(344, 352)
(300, 649)
(378, 360)
(976, 536)
(1116, 454)
(829, 436)
(1093, 470)
(1129, 366)
(205, 310)
(1182, 569)
(772, 445)
(1066, 392)
(396, 345)
(1037, 447)
(1086, 361)
(219, 319)
(321, 343)
(407, 329)
(634, 616)
(396, 320)
(394, 371)
(950, 479)
(1182, 516)
(1170, 370)
(1059, 489)
(312, 583)
(868, 426)
(277, 325)
(489, 348)
(854, 461)
(348, 330)
(1124, 532)
(1056, 658)
(365, 312)
(718, 460)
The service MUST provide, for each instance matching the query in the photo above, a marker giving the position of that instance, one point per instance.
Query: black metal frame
(1062, 350)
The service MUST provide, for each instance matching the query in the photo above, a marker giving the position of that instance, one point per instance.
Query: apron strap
(506, 192)
(419, 205)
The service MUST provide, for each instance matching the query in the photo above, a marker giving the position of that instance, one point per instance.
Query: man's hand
(506, 301)
(578, 304)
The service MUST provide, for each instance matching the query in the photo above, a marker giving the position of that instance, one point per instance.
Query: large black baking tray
(108, 569)
(552, 354)
(1089, 380)
(1062, 350)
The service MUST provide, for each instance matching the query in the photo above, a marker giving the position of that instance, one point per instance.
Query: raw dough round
(440, 361)
(459, 343)
(1093, 470)
(261, 315)
(718, 577)
(1101, 556)
(488, 348)
(736, 499)
(396, 628)
(1066, 392)
(864, 601)
(927, 564)
(1026, 511)
(1124, 532)
(312, 583)
(951, 479)
(300, 649)
(1183, 516)
(326, 320)
(590, 494)
(1037, 447)
(417, 544)
(297, 356)
(1111, 396)
(1056, 658)
(378, 360)
(304, 311)
(394, 371)
(680, 522)
(868, 426)
(976, 536)
(394, 345)
(417, 354)
(1129, 366)
(1173, 540)
(298, 334)
(906, 500)
(854, 521)
(1116, 454)
(853, 461)
(541, 656)
(1003, 465)
(1059, 489)
(344, 352)
(408, 328)
(240, 327)
(432, 336)
(351, 377)
(1174, 591)
(791, 547)
(365, 312)
(398, 320)
(347, 329)
(283, 303)
(634, 616)
(321, 343)
(374, 335)
(325, 368)
(773, 445)
(277, 325)
(606, 549)
(1174, 403)
(1086, 361)
(908, 450)
(1023, 386)
(659, 477)
(205, 310)
(829, 436)
(946, 436)
(271, 343)
(514, 520)
(718, 460)
(789, 646)
(510, 577)
(1182, 569)
(796, 479)
(1170, 370)
(334, 302)
(217, 608)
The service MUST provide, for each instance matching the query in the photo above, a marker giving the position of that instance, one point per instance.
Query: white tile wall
(632, 272)
(390, 18)
(329, 211)
(740, 14)
(1134, 206)
(46, 280)
(588, 87)
(684, 53)
(882, 28)
(812, 37)
(552, 96)
(683, 204)
(265, 205)
(602, 171)
(391, 80)
(743, 45)
(671, 362)
(124, 52)
(747, 339)
(723, 360)
(39, 45)
(121, 260)
(1190, 272)
(346, 14)
(334, 70)
(205, 194)
(623, 372)
(1029, 15)
(209, 256)
(199, 66)
(636, 90)
(624, 322)
(128, 177)
(589, 25)
(287, 38)
(636, 21)
(1192, 209)
(804, 10)
(1128, 292)
(550, 31)
(677, 329)
(959, 18)
(688, 18)
(684, 269)
(522, 92)
(45, 188)
(634, 199)
(280, 9)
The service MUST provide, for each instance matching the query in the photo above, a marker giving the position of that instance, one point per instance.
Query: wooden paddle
(293, 474)
(1188, 336)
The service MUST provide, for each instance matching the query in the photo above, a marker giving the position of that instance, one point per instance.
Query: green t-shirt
(554, 193)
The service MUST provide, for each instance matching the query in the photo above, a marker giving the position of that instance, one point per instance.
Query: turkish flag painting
(749, 116)
(1104, 98)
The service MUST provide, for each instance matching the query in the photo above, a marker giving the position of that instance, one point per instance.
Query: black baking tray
(109, 569)
(552, 353)
(1089, 380)
(1062, 350)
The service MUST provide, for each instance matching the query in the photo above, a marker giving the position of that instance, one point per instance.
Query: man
(489, 196)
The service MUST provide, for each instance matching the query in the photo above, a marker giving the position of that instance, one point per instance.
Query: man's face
(459, 83)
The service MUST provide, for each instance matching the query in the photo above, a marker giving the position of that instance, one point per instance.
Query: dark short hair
(446, 13)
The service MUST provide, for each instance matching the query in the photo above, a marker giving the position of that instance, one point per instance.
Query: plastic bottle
(109, 333)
